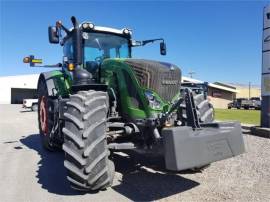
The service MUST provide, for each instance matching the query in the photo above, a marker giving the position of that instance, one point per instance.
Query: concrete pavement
(29, 173)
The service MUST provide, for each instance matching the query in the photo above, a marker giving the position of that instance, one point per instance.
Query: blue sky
(219, 41)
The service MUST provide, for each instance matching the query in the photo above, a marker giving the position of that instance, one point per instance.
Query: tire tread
(85, 144)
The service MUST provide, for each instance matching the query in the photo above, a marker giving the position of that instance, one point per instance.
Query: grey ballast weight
(186, 147)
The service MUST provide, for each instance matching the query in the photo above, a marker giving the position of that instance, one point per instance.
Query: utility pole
(265, 107)
(249, 86)
(191, 74)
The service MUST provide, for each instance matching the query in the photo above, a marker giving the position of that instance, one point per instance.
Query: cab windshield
(99, 46)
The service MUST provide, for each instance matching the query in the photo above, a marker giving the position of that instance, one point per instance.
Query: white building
(15, 88)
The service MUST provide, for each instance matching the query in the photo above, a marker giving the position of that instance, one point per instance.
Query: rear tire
(45, 117)
(85, 144)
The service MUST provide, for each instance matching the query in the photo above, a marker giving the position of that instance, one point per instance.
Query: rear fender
(58, 83)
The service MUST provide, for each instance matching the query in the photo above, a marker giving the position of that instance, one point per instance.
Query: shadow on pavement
(138, 183)
(26, 111)
(141, 184)
(51, 173)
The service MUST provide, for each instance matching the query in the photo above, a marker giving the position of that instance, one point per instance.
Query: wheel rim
(43, 115)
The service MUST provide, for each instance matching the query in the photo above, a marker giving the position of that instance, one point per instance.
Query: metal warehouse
(16, 88)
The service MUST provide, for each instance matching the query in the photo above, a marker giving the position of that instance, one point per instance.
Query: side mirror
(163, 50)
(53, 35)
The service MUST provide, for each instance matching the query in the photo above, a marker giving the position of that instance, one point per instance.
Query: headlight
(153, 102)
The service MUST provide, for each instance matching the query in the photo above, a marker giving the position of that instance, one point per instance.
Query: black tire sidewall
(45, 138)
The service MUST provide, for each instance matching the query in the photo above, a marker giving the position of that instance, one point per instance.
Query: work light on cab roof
(88, 25)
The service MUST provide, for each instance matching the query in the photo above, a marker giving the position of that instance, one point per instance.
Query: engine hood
(164, 78)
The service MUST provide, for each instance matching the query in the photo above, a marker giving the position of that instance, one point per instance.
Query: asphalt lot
(29, 173)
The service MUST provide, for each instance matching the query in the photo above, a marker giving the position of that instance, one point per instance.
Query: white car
(30, 104)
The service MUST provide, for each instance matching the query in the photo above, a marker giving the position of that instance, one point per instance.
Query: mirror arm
(65, 29)
(61, 27)
(151, 41)
(49, 66)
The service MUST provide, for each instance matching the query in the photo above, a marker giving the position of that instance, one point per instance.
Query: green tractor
(100, 100)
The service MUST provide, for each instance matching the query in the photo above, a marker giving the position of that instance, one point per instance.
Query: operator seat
(91, 66)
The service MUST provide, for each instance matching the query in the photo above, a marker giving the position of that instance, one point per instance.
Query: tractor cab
(86, 46)
(98, 44)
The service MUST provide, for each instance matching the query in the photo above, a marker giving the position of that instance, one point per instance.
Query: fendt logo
(169, 82)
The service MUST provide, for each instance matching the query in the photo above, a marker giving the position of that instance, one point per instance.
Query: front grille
(163, 78)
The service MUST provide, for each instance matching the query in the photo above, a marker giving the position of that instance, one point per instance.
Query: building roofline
(21, 75)
(213, 85)
(222, 88)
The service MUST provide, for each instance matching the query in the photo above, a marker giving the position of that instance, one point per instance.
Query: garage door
(18, 94)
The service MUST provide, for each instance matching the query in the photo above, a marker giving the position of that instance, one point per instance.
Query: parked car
(252, 103)
(256, 102)
(237, 103)
(30, 104)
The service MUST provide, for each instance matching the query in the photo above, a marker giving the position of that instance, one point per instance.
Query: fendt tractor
(99, 101)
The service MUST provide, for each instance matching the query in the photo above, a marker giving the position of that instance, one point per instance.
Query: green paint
(115, 73)
(120, 77)
(62, 82)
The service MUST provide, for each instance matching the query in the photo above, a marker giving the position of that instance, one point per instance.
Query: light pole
(265, 107)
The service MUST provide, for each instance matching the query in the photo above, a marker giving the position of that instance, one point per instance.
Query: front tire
(85, 144)
(205, 110)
